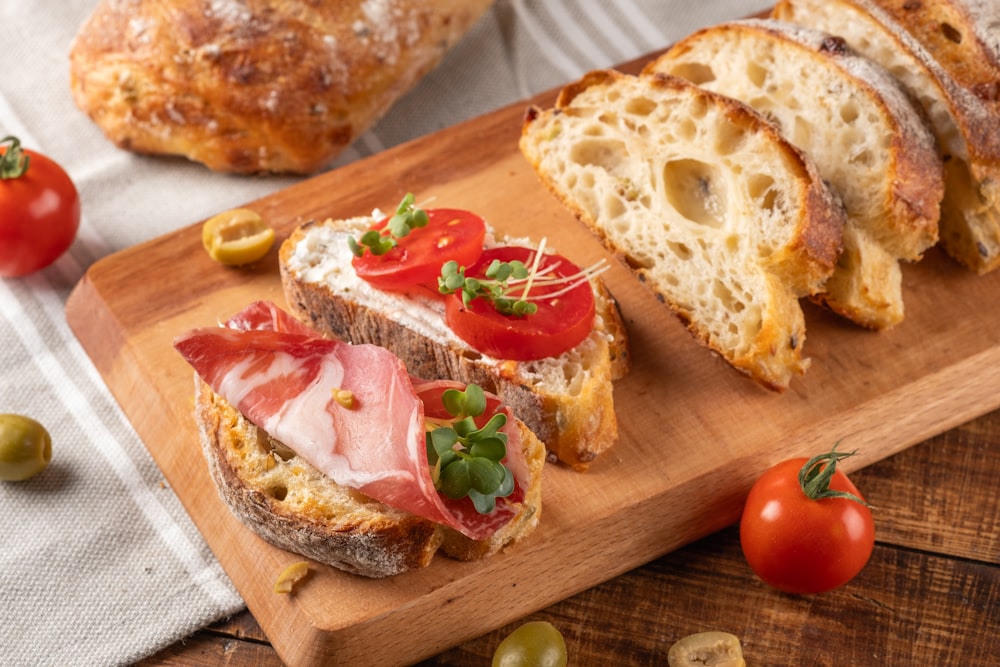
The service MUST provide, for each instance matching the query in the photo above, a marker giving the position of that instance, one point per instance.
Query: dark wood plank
(906, 608)
(942, 497)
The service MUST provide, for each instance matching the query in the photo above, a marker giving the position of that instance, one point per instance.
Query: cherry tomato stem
(13, 161)
(816, 474)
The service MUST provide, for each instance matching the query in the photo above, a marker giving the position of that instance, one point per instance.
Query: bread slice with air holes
(568, 401)
(719, 215)
(959, 89)
(858, 126)
(292, 505)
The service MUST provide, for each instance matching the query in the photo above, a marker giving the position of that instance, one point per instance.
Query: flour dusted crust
(856, 123)
(249, 86)
(945, 54)
(291, 505)
(567, 401)
(714, 211)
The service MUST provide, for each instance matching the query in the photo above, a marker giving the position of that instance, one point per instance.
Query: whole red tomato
(39, 210)
(805, 527)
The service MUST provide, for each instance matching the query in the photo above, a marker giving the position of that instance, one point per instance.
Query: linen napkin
(99, 563)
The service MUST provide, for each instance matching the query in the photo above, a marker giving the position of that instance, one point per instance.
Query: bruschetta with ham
(334, 451)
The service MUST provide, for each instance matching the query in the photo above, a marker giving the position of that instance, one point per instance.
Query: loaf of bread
(259, 85)
(859, 128)
(720, 216)
(290, 504)
(942, 54)
(567, 401)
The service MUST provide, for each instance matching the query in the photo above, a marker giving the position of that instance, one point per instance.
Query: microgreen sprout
(406, 218)
(466, 459)
(507, 285)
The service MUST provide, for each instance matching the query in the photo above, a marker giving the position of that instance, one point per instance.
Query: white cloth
(99, 563)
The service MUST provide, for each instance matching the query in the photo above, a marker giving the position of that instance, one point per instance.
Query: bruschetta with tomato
(438, 289)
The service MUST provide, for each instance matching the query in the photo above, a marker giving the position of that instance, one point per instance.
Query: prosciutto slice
(283, 377)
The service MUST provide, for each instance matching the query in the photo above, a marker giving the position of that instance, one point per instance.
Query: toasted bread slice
(857, 125)
(720, 216)
(291, 505)
(957, 86)
(567, 400)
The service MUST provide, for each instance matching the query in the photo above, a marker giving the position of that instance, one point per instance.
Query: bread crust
(961, 34)
(291, 505)
(943, 54)
(576, 428)
(259, 86)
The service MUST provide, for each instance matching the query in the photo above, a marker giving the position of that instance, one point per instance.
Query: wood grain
(693, 433)
(930, 594)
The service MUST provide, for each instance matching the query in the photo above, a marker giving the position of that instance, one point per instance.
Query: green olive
(534, 644)
(237, 237)
(25, 448)
(713, 648)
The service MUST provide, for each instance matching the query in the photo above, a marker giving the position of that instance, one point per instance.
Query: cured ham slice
(290, 382)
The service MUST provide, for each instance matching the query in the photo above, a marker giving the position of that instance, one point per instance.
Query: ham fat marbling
(282, 376)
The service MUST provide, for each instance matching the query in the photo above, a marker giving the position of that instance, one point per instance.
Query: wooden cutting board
(694, 434)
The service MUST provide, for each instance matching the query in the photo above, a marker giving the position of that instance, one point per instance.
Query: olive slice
(707, 649)
(237, 237)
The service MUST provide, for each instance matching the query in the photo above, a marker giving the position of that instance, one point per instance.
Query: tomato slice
(450, 234)
(559, 324)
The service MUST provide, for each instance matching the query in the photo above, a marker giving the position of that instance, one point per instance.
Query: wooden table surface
(929, 596)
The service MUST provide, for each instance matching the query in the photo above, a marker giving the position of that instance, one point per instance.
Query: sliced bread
(568, 401)
(944, 61)
(290, 504)
(857, 125)
(719, 215)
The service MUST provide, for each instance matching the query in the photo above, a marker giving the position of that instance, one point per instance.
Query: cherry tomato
(39, 210)
(805, 527)
(450, 234)
(559, 324)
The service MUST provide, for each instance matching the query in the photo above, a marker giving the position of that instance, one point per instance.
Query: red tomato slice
(450, 234)
(559, 324)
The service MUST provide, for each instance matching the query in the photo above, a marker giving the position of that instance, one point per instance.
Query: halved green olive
(25, 447)
(236, 237)
(707, 649)
(534, 644)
